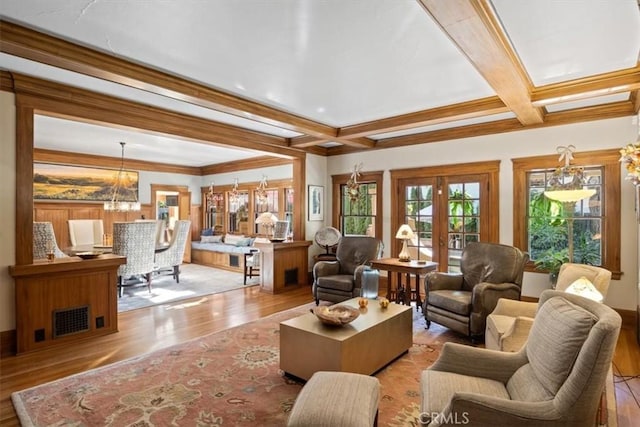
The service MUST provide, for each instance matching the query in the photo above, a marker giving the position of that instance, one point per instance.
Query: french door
(446, 213)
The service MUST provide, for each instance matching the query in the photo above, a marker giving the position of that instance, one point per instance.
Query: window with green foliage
(550, 221)
(361, 215)
(541, 225)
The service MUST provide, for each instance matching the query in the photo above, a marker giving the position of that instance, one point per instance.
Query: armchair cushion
(455, 301)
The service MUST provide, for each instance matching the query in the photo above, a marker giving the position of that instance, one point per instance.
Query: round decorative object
(384, 303)
(89, 255)
(336, 315)
(327, 237)
(363, 302)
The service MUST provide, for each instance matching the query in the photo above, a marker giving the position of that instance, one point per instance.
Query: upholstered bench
(333, 399)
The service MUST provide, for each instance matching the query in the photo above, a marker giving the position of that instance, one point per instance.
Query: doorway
(170, 203)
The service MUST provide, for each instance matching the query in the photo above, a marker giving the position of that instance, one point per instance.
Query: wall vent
(234, 261)
(70, 321)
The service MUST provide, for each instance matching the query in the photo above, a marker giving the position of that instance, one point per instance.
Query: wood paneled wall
(59, 213)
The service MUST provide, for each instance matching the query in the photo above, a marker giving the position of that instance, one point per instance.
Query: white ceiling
(337, 62)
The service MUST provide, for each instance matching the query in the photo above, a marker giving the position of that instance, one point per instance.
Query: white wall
(603, 134)
(316, 168)
(7, 211)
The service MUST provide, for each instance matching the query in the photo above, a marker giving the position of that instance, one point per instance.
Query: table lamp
(405, 233)
(267, 220)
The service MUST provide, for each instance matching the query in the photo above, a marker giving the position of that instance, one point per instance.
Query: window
(542, 226)
(358, 216)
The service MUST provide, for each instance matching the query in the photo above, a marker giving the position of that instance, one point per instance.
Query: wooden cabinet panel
(283, 266)
(65, 300)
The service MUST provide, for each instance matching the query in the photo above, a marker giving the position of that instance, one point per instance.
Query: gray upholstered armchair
(340, 280)
(171, 258)
(462, 301)
(556, 379)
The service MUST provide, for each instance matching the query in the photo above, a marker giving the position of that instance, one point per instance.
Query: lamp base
(404, 259)
(404, 255)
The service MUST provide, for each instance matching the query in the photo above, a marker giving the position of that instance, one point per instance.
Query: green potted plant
(551, 260)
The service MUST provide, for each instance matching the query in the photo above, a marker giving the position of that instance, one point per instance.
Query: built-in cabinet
(234, 209)
(283, 266)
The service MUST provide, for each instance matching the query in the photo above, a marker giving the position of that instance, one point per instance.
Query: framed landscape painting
(76, 183)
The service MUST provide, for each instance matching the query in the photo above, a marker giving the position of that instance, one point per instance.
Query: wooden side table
(393, 265)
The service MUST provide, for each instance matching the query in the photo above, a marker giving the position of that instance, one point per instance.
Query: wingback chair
(509, 324)
(462, 301)
(44, 238)
(136, 241)
(171, 258)
(85, 231)
(340, 280)
(556, 379)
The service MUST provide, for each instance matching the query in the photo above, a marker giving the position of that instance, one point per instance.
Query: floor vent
(234, 261)
(70, 321)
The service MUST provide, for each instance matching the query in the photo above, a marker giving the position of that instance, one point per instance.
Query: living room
(601, 132)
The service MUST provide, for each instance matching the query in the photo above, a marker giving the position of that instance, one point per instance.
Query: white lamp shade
(584, 288)
(266, 218)
(405, 232)
(569, 195)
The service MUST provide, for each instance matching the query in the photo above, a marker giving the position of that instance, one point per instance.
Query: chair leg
(120, 287)
(176, 273)
(148, 276)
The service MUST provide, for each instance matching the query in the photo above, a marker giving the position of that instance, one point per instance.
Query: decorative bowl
(336, 315)
(89, 254)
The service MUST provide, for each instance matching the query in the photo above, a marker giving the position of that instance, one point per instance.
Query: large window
(358, 216)
(546, 228)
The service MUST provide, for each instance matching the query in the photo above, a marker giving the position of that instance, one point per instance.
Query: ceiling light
(120, 191)
(579, 96)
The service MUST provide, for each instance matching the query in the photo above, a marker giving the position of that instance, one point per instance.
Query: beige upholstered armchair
(556, 379)
(462, 301)
(171, 258)
(509, 324)
(85, 231)
(136, 241)
(340, 280)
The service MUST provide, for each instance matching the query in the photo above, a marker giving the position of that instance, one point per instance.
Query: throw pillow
(233, 239)
(210, 239)
(559, 330)
(244, 242)
(207, 232)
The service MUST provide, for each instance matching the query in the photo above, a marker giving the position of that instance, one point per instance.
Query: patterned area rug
(195, 280)
(230, 377)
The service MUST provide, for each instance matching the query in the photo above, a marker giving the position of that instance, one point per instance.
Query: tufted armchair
(136, 241)
(171, 258)
(462, 301)
(556, 379)
(340, 280)
(44, 238)
(509, 324)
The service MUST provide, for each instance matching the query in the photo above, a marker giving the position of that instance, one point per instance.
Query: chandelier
(234, 194)
(261, 191)
(118, 201)
(213, 198)
(353, 188)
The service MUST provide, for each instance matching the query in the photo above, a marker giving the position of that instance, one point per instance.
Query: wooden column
(283, 266)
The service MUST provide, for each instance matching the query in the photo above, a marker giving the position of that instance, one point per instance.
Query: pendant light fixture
(119, 192)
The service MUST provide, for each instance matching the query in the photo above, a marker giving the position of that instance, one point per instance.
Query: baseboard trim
(7, 343)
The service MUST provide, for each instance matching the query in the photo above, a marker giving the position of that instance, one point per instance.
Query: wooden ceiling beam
(585, 114)
(602, 84)
(29, 44)
(472, 26)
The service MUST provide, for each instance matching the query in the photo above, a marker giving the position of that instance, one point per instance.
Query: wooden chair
(251, 265)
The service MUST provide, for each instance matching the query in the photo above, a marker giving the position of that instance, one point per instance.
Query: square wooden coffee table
(364, 346)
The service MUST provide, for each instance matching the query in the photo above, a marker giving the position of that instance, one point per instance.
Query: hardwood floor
(149, 329)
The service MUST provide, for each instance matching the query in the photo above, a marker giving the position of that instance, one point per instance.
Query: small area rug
(226, 378)
(195, 280)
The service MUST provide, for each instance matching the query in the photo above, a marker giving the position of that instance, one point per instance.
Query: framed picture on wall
(79, 183)
(316, 203)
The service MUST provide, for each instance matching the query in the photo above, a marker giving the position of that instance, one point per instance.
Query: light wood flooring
(148, 329)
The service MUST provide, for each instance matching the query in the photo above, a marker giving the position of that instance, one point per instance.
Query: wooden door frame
(491, 168)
